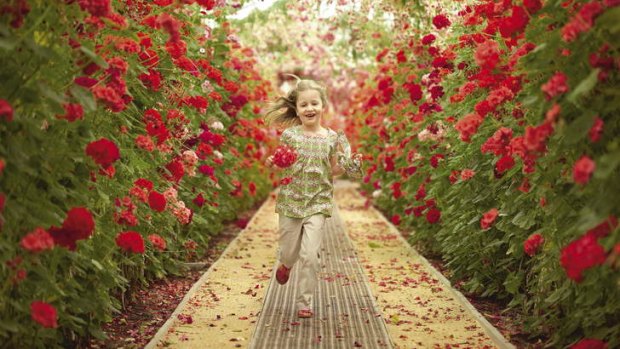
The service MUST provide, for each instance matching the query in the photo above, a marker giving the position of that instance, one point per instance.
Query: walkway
(412, 301)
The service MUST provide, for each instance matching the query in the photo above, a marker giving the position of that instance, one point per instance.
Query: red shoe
(282, 274)
(305, 313)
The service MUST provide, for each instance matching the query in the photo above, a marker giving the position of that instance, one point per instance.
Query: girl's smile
(310, 109)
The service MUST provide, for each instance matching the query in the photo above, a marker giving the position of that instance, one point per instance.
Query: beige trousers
(300, 239)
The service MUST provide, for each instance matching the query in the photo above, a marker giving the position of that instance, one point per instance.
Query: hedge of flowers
(492, 133)
(129, 134)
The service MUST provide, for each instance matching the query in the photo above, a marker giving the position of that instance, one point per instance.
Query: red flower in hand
(284, 156)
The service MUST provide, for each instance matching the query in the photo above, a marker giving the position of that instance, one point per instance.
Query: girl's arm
(337, 170)
(350, 163)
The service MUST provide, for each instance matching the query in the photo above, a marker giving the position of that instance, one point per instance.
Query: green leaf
(584, 86)
(513, 282)
(373, 244)
(607, 164)
(95, 58)
(610, 20)
(84, 97)
(523, 220)
(97, 264)
(579, 128)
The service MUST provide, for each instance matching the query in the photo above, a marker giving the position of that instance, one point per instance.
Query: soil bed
(151, 307)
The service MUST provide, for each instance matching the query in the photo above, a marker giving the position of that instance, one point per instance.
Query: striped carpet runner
(345, 313)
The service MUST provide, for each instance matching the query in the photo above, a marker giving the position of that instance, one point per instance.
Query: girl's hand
(269, 162)
(357, 157)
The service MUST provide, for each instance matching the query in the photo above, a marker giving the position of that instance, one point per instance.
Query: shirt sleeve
(286, 139)
(352, 167)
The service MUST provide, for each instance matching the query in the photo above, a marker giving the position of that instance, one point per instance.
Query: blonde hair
(283, 112)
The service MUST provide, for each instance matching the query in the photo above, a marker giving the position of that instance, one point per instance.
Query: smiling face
(310, 108)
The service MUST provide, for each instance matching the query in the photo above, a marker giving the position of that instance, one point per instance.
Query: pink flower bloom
(489, 218)
(555, 86)
(533, 242)
(583, 170)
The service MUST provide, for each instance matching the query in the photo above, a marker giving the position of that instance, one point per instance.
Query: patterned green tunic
(310, 190)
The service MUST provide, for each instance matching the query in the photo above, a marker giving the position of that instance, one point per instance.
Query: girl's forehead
(308, 95)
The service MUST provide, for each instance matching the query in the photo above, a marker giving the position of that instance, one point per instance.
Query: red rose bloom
(199, 200)
(157, 201)
(581, 254)
(286, 181)
(104, 152)
(38, 240)
(130, 241)
(158, 242)
(488, 218)
(583, 170)
(284, 156)
(432, 216)
(533, 242)
(44, 313)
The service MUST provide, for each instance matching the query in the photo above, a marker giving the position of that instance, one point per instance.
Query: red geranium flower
(158, 242)
(97, 8)
(596, 130)
(441, 21)
(504, 164)
(467, 174)
(78, 225)
(555, 86)
(583, 170)
(73, 112)
(175, 167)
(199, 200)
(432, 216)
(532, 244)
(468, 126)
(488, 218)
(581, 254)
(588, 343)
(144, 183)
(104, 152)
(428, 39)
(395, 219)
(44, 313)
(130, 241)
(6, 110)
(157, 201)
(284, 156)
(38, 240)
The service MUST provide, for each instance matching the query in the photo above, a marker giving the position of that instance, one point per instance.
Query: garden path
(235, 304)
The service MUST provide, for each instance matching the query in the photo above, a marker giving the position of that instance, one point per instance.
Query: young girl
(305, 201)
